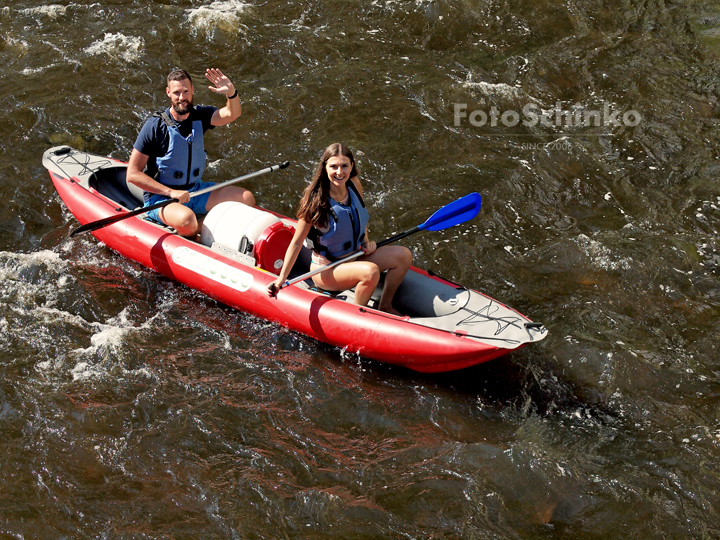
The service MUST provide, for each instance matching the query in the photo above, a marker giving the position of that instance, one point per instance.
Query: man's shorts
(197, 204)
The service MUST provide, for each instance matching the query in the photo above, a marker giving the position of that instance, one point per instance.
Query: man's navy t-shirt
(153, 139)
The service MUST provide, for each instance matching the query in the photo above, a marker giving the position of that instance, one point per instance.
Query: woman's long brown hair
(314, 205)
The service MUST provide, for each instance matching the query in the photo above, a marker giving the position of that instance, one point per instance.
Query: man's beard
(182, 108)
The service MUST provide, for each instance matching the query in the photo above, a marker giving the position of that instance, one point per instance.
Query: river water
(133, 407)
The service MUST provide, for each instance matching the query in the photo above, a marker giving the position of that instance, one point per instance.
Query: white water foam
(30, 285)
(23, 275)
(118, 46)
(600, 255)
(107, 344)
(221, 14)
(495, 90)
(51, 10)
(45, 256)
(30, 279)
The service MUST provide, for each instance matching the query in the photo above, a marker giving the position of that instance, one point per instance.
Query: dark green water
(133, 407)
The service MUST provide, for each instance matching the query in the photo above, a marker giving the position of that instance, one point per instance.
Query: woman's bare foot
(391, 310)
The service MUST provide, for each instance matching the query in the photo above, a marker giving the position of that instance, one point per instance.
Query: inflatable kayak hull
(448, 327)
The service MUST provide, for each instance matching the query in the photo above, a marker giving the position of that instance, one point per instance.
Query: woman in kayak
(333, 217)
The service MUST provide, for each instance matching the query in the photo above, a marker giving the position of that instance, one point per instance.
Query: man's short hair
(178, 74)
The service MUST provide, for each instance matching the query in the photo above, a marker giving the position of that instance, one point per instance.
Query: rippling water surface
(133, 407)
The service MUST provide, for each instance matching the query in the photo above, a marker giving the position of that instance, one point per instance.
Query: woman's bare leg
(396, 260)
(364, 275)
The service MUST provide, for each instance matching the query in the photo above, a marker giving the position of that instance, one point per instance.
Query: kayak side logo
(213, 269)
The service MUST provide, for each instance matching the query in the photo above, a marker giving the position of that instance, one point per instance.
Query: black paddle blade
(95, 225)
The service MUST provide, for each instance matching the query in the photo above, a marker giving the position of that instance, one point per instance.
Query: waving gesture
(221, 82)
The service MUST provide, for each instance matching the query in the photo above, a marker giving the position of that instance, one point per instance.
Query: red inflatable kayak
(446, 326)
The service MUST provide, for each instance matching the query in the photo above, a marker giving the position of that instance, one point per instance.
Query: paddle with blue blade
(455, 213)
(99, 224)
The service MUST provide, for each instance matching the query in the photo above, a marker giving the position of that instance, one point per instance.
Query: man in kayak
(333, 217)
(168, 157)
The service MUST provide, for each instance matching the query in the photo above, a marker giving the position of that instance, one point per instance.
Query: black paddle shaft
(99, 224)
(397, 237)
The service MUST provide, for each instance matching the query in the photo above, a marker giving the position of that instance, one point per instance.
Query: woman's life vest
(347, 224)
(184, 162)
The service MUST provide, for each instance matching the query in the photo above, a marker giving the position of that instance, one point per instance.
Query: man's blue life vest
(184, 162)
(347, 227)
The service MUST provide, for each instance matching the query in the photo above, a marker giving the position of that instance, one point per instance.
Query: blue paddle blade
(455, 213)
